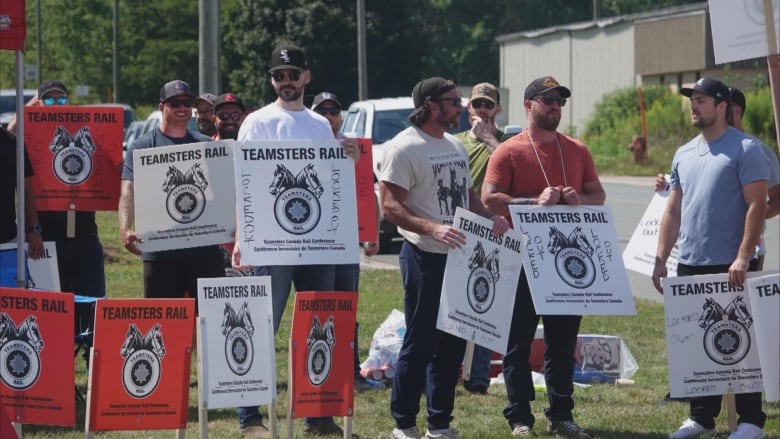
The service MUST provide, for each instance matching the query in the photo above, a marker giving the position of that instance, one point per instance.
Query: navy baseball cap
(710, 87)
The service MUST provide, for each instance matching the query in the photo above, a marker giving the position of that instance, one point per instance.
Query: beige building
(669, 46)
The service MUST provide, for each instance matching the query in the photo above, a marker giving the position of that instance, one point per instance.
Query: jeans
(348, 279)
(305, 278)
(705, 409)
(480, 368)
(429, 359)
(560, 340)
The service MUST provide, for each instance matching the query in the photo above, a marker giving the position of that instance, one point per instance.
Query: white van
(8, 103)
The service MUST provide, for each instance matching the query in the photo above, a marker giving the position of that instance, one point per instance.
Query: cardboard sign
(710, 337)
(13, 29)
(742, 29)
(640, 251)
(76, 153)
(321, 354)
(477, 302)
(36, 334)
(296, 203)
(764, 292)
(572, 261)
(140, 373)
(237, 348)
(43, 273)
(366, 197)
(184, 195)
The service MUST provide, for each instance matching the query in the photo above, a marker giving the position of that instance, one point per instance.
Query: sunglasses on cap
(549, 100)
(479, 103)
(333, 111)
(235, 116)
(59, 100)
(179, 104)
(293, 75)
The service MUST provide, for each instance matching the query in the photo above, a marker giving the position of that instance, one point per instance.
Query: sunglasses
(549, 100)
(59, 100)
(454, 101)
(479, 103)
(293, 75)
(179, 104)
(235, 116)
(332, 111)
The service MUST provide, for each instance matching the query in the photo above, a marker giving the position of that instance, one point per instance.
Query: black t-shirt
(8, 184)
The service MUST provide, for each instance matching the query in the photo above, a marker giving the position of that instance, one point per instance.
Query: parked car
(127, 111)
(380, 120)
(8, 103)
(133, 132)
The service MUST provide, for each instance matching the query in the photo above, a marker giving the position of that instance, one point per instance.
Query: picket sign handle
(731, 410)
(468, 358)
(203, 411)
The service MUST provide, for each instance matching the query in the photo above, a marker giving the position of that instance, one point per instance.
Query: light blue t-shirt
(711, 176)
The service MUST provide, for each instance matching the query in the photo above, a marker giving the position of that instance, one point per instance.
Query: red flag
(12, 27)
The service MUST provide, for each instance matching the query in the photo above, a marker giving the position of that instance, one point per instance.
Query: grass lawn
(606, 411)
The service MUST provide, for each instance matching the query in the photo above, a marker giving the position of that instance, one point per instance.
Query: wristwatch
(35, 228)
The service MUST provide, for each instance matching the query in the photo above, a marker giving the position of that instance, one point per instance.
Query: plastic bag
(385, 346)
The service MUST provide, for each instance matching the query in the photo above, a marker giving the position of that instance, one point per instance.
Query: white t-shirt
(435, 172)
(273, 122)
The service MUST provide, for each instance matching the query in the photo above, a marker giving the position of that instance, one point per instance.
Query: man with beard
(541, 167)
(288, 119)
(418, 162)
(715, 213)
(228, 115)
(204, 114)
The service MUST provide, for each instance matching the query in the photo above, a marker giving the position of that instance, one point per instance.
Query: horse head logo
(711, 312)
(154, 341)
(7, 328)
(173, 178)
(309, 177)
(229, 319)
(477, 258)
(196, 176)
(61, 139)
(83, 139)
(282, 180)
(738, 311)
(246, 318)
(133, 341)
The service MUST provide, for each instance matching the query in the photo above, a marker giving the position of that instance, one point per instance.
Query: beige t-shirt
(435, 172)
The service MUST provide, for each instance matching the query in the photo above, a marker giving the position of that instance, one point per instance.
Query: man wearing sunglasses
(420, 164)
(287, 118)
(204, 114)
(168, 273)
(50, 93)
(229, 113)
(541, 166)
(327, 105)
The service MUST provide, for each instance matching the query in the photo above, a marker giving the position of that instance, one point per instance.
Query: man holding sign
(541, 167)
(715, 214)
(424, 178)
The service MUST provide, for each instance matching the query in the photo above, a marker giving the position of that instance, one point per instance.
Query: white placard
(296, 203)
(237, 342)
(44, 272)
(710, 337)
(477, 302)
(572, 261)
(739, 29)
(184, 195)
(765, 305)
(640, 252)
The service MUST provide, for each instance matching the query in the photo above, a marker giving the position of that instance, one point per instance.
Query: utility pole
(208, 44)
(38, 55)
(115, 94)
(361, 47)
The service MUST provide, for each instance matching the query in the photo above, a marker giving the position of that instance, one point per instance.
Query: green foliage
(758, 118)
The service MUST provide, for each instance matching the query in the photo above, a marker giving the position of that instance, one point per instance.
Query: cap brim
(687, 92)
(285, 67)
(414, 113)
(50, 89)
(203, 100)
(485, 97)
(242, 107)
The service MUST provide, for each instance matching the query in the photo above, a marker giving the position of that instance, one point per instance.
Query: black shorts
(178, 278)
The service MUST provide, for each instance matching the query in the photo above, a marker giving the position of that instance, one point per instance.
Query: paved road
(628, 197)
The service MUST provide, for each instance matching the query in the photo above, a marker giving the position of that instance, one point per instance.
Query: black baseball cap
(175, 88)
(229, 98)
(710, 87)
(208, 98)
(51, 85)
(429, 89)
(543, 85)
(323, 97)
(287, 57)
(738, 98)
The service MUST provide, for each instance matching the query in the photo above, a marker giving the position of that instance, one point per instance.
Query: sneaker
(255, 430)
(326, 428)
(691, 429)
(521, 429)
(450, 433)
(747, 431)
(406, 433)
(567, 429)
(362, 384)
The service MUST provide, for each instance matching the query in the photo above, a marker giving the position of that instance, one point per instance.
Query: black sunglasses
(454, 101)
(179, 104)
(59, 100)
(234, 116)
(332, 111)
(294, 75)
(479, 103)
(549, 100)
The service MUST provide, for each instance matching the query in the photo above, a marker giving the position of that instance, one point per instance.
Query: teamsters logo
(186, 200)
(320, 344)
(726, 336)
(143, 356)
(20, 365)
(481, 289)
(238, 329)
(72, 162)
(297, 206)
(572, 257)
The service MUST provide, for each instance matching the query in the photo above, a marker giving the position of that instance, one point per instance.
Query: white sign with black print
(710, 337)
(639, 255)
(184, 195)
(296, 203)
(237, 342)
(764, 292)
(44, 272)
(572, 260)
(477, 302)
(742, 29)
